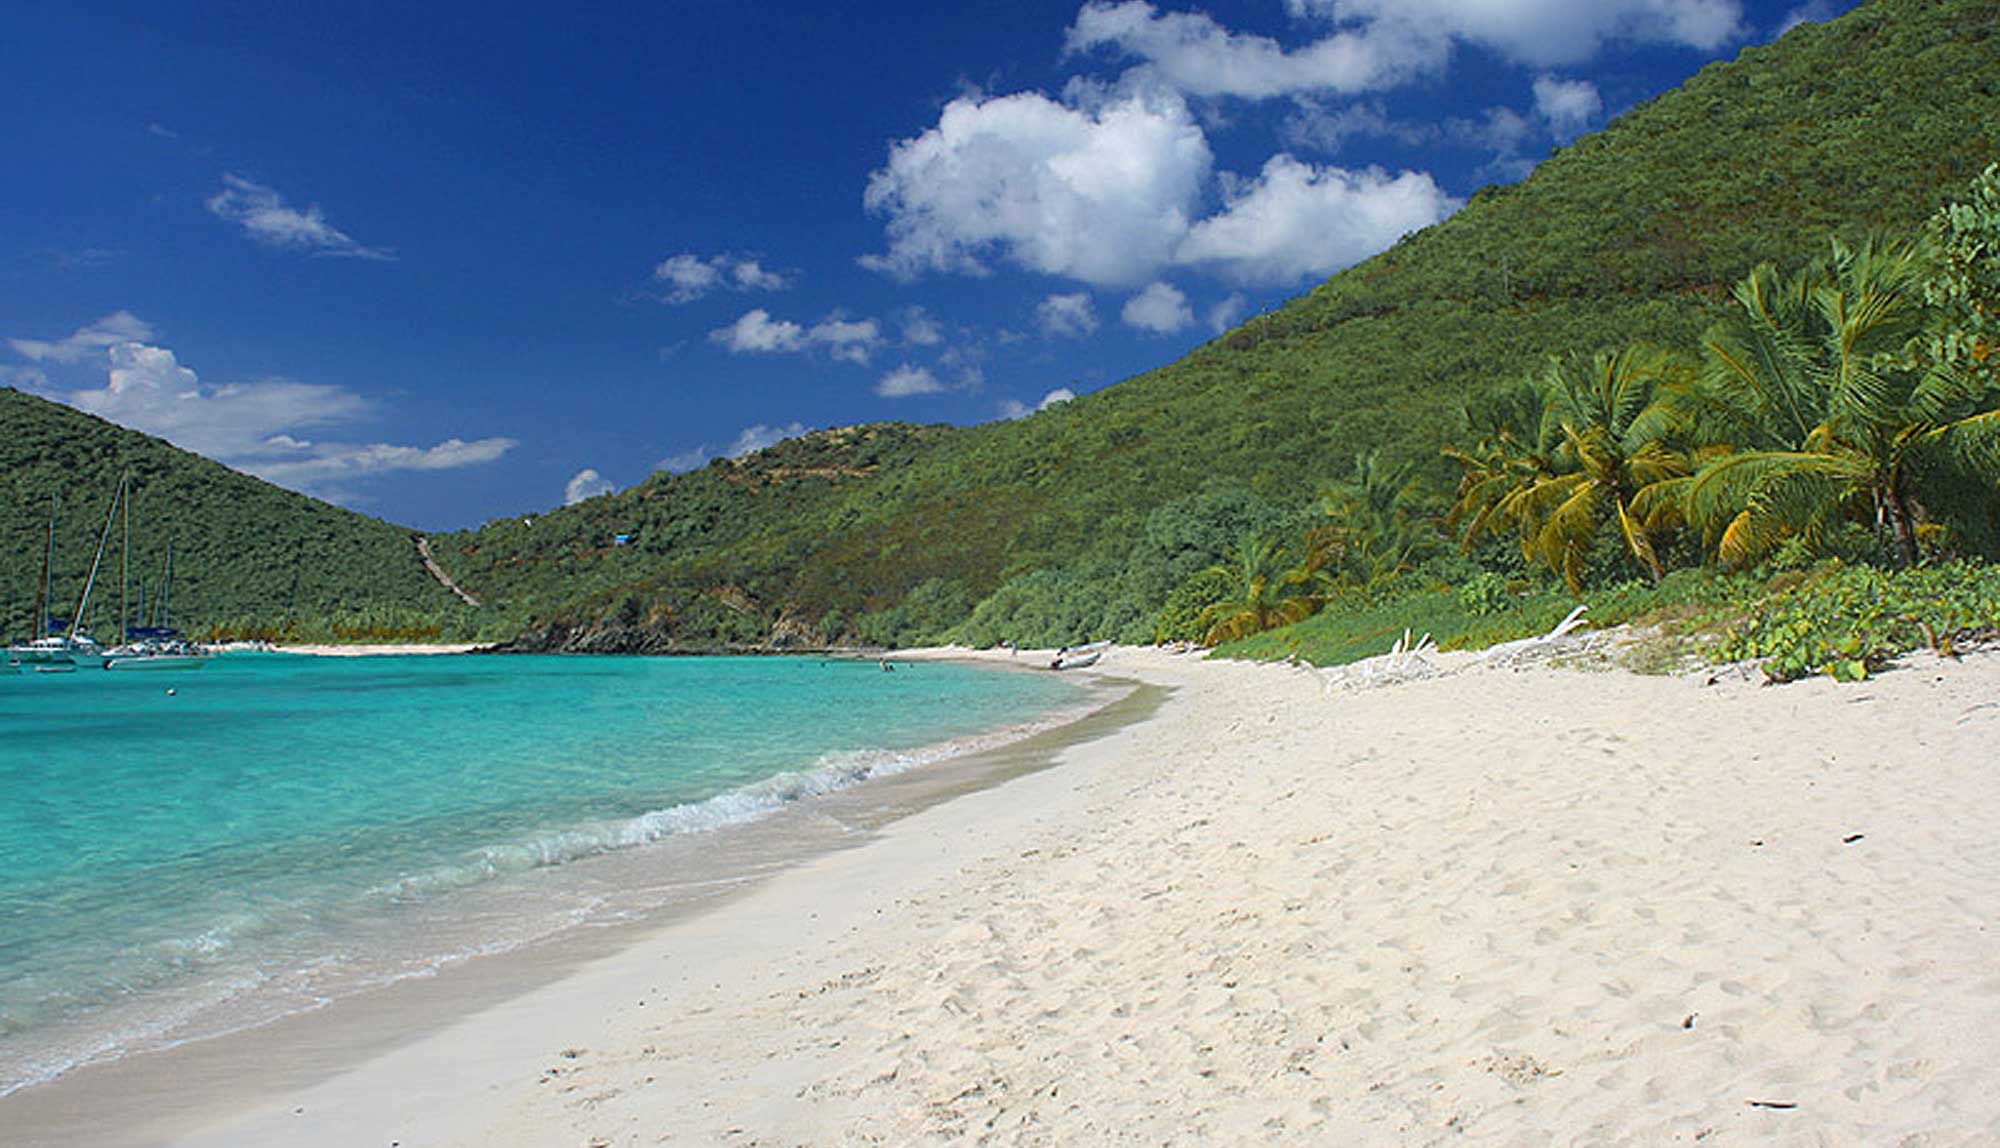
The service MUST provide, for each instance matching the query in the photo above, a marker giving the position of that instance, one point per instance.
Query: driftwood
(1405, 662)
(1515, 652)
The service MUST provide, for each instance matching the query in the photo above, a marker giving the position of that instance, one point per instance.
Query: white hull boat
(1077, 657)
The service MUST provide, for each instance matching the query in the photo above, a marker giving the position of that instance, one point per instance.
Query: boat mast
(48, 561)
(167, 590)
(103, 539)
(124, 570)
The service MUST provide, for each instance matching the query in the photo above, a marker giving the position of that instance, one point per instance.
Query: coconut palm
(1505, 459)
(1840, 415)
(1372, 531)
(1266, 594)
(1606, 434)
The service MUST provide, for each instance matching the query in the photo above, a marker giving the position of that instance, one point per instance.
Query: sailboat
(46, 652)
(150, 647)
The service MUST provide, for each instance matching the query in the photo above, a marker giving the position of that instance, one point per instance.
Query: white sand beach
(1536, 907)
(375, 649)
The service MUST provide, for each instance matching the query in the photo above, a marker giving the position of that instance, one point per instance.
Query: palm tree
(1505, 459)
(1840, 415)
(1606, 435)
(1372, 532)
(1266, 594)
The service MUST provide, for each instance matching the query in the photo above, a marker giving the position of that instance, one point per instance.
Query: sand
(374, 649)
(1501, 907)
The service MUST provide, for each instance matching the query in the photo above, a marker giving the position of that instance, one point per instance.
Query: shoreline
(130, 1098)
(377, 649)
(1519, 905)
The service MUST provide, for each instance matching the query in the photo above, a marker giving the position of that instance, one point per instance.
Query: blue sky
(444, 263)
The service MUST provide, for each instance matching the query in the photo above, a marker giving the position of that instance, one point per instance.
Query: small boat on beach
(1077, 657)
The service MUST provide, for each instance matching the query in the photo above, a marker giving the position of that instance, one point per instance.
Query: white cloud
(751, 439)
(89, 340)
(851, 342)
(1196, 55)
(688, 276)
(259, 428)
(1016, 409)
(1312, 124)
(317, 466)
(1161, 308)
(1502, 131)
(1297, 220)
(758, 436)
(1110, 193)
(920, 329)
(1068, 315)
(1098, 194)
(1569, 107)
(1812, 12)
(266, 218)
(756, 332)
(1225, 314)
(908, 380)
(586, 483)
(686, 460)
(1539, 33)
(25, 378)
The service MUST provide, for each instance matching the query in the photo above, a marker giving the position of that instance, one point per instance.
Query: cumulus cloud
(1226, 313)
(586, 483)
(688, 459)
(687, 276)
(1296, 220)
(851, 342)
(920, 329)
(1569, 107)
(1066, 315)
(757, 436)
(267, 218)
(1110, 194)
(1501, 131)
(1016, 409)
(749, 440)
(1161, 308)
(1538, 33)
(1098, 194)
(1812, 12)
(908, 380)
(89, 340)
(755, 332)
(260, 428)
(1196, 55)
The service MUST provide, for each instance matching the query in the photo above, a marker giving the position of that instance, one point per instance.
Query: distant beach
(377, 649)
(1507, 906)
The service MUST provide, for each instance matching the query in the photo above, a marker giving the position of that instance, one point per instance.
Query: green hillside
(1086, 515)
(249, 558)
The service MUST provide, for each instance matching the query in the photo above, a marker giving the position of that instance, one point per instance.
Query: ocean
(184, 854)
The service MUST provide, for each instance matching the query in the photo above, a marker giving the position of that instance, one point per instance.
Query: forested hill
(1635, 233)
(249, 558)
(1083, 518)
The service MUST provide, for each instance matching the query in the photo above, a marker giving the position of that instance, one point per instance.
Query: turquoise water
(280, 830)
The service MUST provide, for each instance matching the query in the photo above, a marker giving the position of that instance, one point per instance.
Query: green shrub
(1850, 621)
